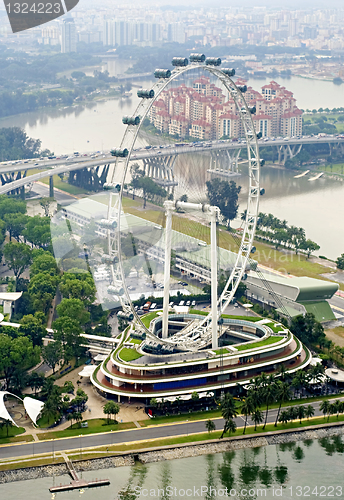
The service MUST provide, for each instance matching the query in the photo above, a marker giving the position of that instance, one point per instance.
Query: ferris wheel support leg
(213, 215)
(168, 242)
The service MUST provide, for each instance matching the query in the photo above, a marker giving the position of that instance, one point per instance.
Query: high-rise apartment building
(68, 37)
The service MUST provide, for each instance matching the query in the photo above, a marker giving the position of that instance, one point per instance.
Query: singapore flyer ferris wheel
(166, 227)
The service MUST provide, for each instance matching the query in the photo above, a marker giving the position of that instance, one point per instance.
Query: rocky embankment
(177, 451)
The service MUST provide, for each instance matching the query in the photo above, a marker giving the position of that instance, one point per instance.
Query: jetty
(76, 482)
(301, 175)
(316, 177)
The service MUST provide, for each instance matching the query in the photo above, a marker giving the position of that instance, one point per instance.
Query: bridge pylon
(224, 163)
(287, 151)
(160, 169)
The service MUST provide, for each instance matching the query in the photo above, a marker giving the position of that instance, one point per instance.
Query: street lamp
(187, 427)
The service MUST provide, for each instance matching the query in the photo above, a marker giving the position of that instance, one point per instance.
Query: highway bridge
(158, 160)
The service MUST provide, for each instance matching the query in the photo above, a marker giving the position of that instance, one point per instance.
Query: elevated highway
(287, 148)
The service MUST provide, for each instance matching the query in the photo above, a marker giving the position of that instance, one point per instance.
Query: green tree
(75, 309)
(230, 426)
(224, 195)
(210, 426)
(309, 246)
(10, 205)
(195, 396)
(325, 407)
(32, 327)
(301, 412)
(45, 204)
(309, 412)
(228, 409)
(18, 257)
(35, 381)
(284, 417)
(15, 224)
(78, 285)
(44, 263)
(282, 395)
(52, 354)
(257, 417)
(42, 290)
(247, 409)
(67, 331)
(37, 232)
(340, 262)
(269, 394)
(17, 354)
(111, 408)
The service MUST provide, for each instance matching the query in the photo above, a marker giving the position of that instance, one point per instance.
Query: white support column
(213, 249)
(169, 206)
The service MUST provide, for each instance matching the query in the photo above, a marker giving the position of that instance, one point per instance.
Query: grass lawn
(266, 255)
(268, 341)
(336, 335)
(94, 425)
(244, 318)
(64, 186)
(148, 318)
(129, 354)
(13, 435)
(135, 341)
(335, 168)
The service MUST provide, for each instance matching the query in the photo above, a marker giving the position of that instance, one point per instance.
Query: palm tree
(301, 412)
(257, 417)
(269, 393)
(284, 417)
(309, 411)
(228, 409)
(282, 395)
(210, 426)
(70, 418)
(230, 426)
(246, 409)
(325, 408)
(282, 373)
(292, 412)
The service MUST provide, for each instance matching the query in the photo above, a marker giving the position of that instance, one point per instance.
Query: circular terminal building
(172, 354)
(142, 369)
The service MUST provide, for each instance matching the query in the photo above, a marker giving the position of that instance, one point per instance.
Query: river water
(295, 470)
(316, 206)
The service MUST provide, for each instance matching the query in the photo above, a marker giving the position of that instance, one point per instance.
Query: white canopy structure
(3, 410)
(87, 371)
(33, 407)
(335, 374)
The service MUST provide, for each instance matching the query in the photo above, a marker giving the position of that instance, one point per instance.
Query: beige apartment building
(204, 112)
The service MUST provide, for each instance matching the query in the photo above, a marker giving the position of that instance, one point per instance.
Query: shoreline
(186, 450)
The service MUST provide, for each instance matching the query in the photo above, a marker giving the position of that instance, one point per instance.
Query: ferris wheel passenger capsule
(180, 61)
(228, 71)
(145, 94)
(197, 58)
(213, 61)
(242, 88)
(162, 73)
(120, 153)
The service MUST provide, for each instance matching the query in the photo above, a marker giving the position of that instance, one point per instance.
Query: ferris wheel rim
(249, 228)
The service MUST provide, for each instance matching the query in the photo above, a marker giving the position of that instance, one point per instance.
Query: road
(119, 437)
(92, 159)
(60, 196)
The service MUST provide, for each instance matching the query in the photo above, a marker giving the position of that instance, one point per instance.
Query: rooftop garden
(270, 340)
(129, 354)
